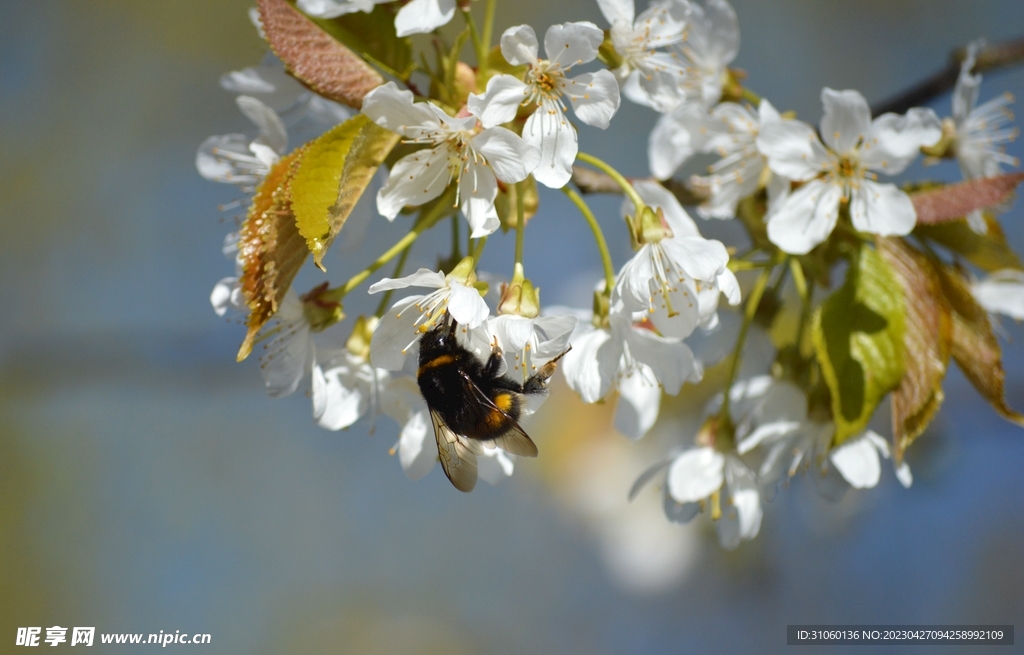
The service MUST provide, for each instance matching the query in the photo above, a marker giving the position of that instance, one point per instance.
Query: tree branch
(991, 57)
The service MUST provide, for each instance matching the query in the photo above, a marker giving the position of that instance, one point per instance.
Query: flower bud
(519, 297)
(320, 311)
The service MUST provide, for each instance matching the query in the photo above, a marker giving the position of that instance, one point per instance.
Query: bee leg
(493, 364)
(538, 381)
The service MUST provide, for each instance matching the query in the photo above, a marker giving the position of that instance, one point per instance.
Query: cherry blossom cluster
(514, 127)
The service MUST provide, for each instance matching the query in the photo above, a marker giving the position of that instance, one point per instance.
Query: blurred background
(147, 483)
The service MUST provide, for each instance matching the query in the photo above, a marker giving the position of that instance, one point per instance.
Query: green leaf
(334, 172)
(974, 347)
(372, 36)
(926, 341)
(858, 339)
(989, 251)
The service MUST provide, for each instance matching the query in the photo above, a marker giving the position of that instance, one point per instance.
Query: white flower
(290, 354)
(422, 16)
(333, 8)
(345, 385)
(272, 85)
(529, 343)
(857, 460)
(678, 278)
(649, 75)
(841, 173)
(979, 133)
(594, 96)
(702, 473)
(712, 42)
(410, 317)
(678, 135)
(742, 169)
(474, 160)
(236, 159)
(1002, 292)
(635, 360)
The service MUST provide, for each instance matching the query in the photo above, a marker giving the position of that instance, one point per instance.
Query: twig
(991, 57)
(590, 181)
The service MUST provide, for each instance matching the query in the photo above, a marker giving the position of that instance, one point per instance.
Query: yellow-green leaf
(974, 346)
(926, 341)
(269, 247)
(858, 340)
(989, 251)
(335, 170)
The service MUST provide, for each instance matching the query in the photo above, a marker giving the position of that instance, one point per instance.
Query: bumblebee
(471, 404)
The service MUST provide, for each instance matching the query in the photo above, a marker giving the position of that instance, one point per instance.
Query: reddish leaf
(316, 58)
(989, 252)
(270, 247)
(926, 342)
(955, 201)
(974, 346)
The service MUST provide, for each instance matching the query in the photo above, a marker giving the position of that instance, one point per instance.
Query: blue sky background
(147, 483)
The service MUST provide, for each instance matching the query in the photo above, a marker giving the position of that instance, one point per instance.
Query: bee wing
(514, 440)
(457, 454)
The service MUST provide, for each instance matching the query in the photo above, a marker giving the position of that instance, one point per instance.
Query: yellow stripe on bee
(440, 360)
(503, 401)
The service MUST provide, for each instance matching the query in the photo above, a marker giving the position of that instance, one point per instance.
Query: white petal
(729, 286)
(569, 44)
(594, 97)
(882, 209)
(894, 141)
(639, 400)
(550, 132)
(904, 475)
(857, 461)
(847, 119)
(512, 158)
(1002, 292)
(466, 306)
(519, 46)
(288, 358)
(696, 474)
(615, 11)
(724, 35)
(499, 102)
(393, 109)
(272, 131)
(590, 366)
(416, 450)
(415, 179)
(332, 8)
(423, 277)
(671, 360)
(553, 333)
(677, 136)
(793, 150)
(744, 497)
(513, 332)
(395, 335)
(335, 406)
(805, 218)
(494, 466)
(225, 296)
(477, 190)
(226, 158)
(422, 16)
(700, 258)
(656, 195)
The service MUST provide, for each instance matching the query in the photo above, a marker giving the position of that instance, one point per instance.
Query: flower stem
(627, 188)
(386, 300)
(478, 46)
(486, 37)
(478, 248)
(805, 300)
(423, 223)
(753, 300)
(602, 245)
(520, 222)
